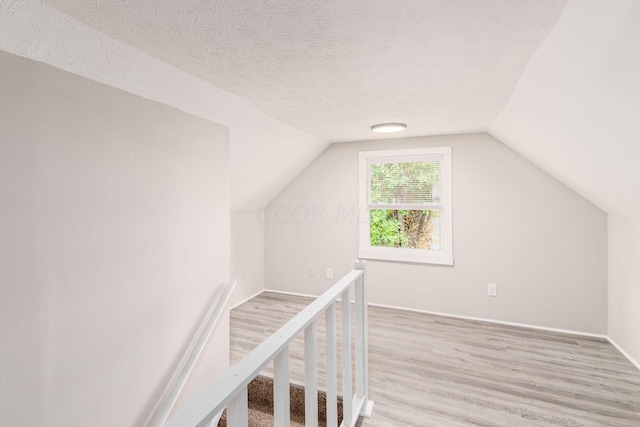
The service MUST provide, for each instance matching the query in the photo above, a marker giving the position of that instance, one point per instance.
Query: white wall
(114, 238)
(247, 254)
(514, 225)
(624, 284)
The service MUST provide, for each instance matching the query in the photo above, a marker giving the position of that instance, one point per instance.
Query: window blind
(405, 183)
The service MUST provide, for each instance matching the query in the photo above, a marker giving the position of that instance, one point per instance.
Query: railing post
(362, 339)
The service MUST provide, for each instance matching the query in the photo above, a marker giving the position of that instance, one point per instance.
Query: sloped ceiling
(333, 68)
(288, 76)
(576, 109)
(265, 153)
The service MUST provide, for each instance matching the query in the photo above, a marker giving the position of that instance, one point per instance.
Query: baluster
(362, 345)
(238, 410)
(281, 404)
(346, 360)
(359, 341)
(332, 387)
(310, 377)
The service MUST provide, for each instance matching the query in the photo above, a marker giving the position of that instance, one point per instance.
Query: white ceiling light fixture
(388, 127)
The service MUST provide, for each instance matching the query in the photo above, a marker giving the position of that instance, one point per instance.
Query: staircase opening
(251, 399)
(261, 403)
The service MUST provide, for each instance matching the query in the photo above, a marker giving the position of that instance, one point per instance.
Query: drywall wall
(114, 239)
(247, 254)
(22, 325)
(624, 284)
(543, 244)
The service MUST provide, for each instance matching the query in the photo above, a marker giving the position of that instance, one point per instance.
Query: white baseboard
(367, 411)
(499, 322)
(246, 299)
(295, 294)
(480, 319)
(624, 353)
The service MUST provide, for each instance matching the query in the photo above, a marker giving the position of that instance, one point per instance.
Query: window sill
(405, 255)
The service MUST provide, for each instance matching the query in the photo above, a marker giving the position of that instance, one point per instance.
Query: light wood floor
(428, 370)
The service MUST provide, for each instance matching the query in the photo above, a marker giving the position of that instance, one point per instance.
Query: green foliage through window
(409, 186)
(416, 229)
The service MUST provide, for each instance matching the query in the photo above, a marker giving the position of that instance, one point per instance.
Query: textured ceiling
(37, 31)
(334, 68)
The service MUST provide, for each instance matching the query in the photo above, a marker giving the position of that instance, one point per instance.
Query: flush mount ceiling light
(388, 127)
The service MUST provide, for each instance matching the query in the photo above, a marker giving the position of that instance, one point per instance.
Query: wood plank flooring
(428, 370)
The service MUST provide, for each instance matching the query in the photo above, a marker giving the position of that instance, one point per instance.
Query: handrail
(178, 381)
(231, 388)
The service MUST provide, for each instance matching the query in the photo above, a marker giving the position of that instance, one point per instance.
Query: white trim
(624, 353)
(398, 155)
(499, 322)
(245, 300)
(295, 294)
(405, 255)
(480, 319)
(442, 257)
(180, 377)
(367, 411)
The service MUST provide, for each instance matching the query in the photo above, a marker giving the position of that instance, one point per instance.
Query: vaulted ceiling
(556, 83)
(334, 68)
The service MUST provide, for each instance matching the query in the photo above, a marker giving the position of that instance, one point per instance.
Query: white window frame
(445, 255)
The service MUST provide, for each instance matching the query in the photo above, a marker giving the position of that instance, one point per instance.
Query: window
(405, 200)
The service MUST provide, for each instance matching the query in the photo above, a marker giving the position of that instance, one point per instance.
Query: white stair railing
(231, 390)
(188, 363)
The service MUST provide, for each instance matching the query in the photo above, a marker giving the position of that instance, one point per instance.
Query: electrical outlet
(329, 273)
(312, 272)
(492, 290)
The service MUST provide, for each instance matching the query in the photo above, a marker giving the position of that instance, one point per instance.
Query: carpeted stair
(260, 393)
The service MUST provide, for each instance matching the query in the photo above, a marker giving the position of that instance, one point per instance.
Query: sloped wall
(543, 244)
(575, 109)
(114, 240)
